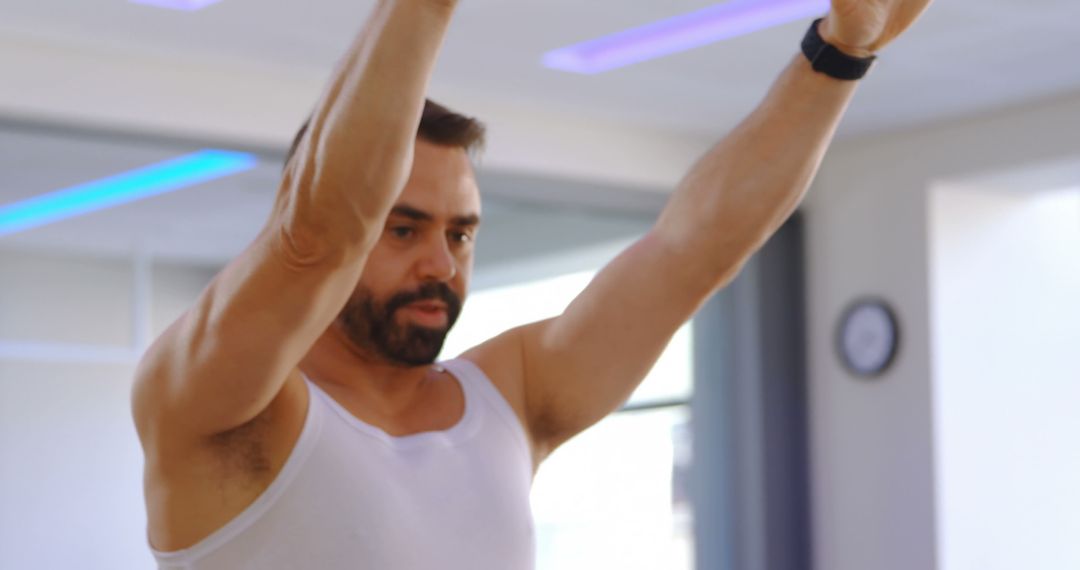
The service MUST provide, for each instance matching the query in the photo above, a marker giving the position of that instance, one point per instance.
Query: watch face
(868, 338)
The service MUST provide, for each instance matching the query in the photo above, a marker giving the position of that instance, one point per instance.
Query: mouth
(428, 313)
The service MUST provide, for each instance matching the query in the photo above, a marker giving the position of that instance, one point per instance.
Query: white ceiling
(244, 73)
(964, 57)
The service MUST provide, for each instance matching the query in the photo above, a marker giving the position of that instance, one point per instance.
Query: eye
(402, 232)
(460, 237)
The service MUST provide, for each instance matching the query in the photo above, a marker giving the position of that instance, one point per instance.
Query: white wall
(70, 463)
(1006, 326)
(872, 448)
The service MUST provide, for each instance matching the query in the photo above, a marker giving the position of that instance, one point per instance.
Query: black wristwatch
(825, 58)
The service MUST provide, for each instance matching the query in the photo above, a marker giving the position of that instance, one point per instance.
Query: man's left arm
(581, 366)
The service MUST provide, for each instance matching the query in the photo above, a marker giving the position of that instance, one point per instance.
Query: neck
(334, 360)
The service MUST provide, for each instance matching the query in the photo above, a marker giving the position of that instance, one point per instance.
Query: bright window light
(588, 512)
(145, 182)
(185, 5)
(681, 33)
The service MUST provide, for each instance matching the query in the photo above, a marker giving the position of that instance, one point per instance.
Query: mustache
(432, 291)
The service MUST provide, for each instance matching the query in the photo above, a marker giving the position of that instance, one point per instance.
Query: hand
(861, 28)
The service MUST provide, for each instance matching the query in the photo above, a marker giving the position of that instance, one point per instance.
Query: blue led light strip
(152, 180)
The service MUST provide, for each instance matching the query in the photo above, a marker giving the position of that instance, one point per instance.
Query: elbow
(303, 246)
(306, 230)
(704, 259)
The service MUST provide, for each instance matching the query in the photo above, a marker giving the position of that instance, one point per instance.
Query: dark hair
(438, 125)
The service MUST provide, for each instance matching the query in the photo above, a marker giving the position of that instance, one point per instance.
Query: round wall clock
(868, 338)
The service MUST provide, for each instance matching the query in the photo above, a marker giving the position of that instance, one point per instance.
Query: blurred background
(952, 196)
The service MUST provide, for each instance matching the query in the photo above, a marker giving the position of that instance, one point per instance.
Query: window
(616, 495)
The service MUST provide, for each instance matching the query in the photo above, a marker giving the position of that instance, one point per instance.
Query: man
(282, 430)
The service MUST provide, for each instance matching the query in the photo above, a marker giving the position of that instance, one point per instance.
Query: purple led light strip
(185, 5)
(681, 33)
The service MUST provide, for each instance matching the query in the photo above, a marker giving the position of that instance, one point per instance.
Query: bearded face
(407, 329)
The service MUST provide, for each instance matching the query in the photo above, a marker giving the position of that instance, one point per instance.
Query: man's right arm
(223, 362)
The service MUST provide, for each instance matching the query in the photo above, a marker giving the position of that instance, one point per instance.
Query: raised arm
(584, 364)
(223, 362)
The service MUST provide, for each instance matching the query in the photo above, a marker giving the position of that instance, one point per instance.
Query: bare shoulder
(501, 361)
(196, 488)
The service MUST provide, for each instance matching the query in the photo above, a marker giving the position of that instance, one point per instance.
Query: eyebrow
(416, 214)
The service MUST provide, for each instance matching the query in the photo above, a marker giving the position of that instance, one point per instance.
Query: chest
(456, 493)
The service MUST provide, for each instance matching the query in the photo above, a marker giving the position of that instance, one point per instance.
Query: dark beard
(372, 327)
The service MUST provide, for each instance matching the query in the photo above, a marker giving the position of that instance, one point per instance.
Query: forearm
(357, 153)
(746, 186)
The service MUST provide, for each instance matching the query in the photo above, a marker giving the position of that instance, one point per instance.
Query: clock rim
(894, 349)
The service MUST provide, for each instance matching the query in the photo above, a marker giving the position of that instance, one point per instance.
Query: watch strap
(826, 58)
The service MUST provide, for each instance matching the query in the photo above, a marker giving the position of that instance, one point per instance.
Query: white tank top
(351, 496)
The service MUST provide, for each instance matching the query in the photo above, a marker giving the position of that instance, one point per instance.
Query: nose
(437, 262)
